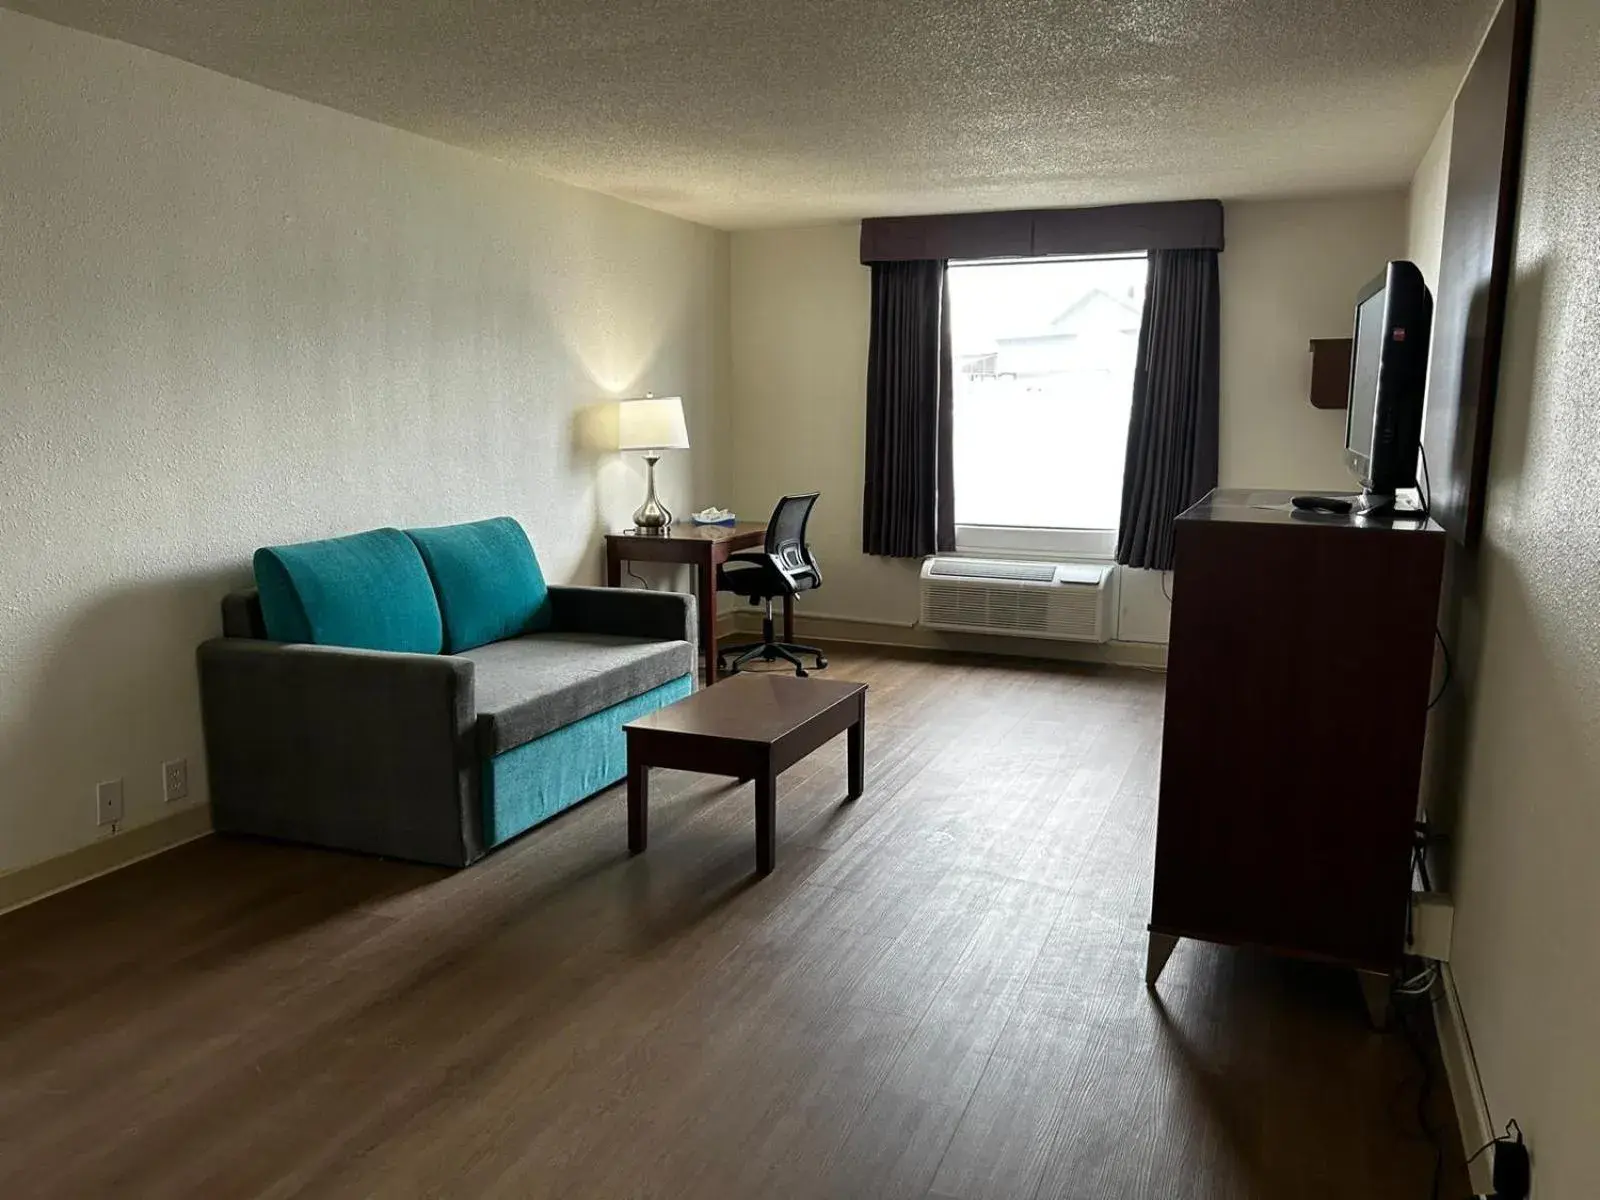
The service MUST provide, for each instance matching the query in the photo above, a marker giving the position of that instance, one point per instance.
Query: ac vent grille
(1012, 611)
(1069, 601)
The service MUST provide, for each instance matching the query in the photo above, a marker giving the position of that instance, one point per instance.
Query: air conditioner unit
(1068, 601)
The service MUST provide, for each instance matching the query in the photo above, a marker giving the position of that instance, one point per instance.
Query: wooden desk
(703, 547)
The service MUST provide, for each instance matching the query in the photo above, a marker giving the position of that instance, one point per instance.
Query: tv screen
(1364, 375)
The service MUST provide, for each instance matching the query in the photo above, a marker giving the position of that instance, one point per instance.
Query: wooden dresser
(1298, 679)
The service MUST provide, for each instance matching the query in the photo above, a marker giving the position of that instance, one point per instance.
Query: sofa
(424, 694)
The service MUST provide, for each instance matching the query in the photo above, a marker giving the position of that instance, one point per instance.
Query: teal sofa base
(538, 779)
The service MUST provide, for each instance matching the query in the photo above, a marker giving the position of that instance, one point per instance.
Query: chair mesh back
(786, 531)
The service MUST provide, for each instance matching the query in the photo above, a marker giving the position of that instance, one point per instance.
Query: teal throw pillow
(369, 591)
(487, 580)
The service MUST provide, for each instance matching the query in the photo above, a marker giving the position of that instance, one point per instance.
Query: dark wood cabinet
(1330, 372)
(1298, 679)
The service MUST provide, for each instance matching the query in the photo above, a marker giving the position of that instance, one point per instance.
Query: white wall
(230, 318)
(800, 313)
(799, 303)
(1526, 954)
(1425, 204)
(1290, 273)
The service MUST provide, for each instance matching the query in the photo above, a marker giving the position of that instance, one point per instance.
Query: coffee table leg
(766, 821)
(638, 807)
(856, 745)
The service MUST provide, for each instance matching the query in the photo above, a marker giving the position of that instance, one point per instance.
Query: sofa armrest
(355, 749)
(630, 612)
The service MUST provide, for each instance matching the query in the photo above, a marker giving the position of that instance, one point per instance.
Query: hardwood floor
(938, 994)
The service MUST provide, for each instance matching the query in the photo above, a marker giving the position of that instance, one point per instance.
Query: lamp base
(652, 516)
(651, 520)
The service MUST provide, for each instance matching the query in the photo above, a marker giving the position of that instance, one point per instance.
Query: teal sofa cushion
(487, 580)
(369, 591)
(538, 779)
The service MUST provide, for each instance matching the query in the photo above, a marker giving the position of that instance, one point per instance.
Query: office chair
(784, 567)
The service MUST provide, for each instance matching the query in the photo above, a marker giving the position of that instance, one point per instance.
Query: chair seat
(529, 686)
(755, 581)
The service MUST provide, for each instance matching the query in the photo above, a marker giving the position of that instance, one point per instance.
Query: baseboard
(1461, 1069)
(825, 627)
(28, 884)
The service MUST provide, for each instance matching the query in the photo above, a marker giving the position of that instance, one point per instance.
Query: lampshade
(654, 423)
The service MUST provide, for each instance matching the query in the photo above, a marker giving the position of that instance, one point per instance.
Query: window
(1043, 353)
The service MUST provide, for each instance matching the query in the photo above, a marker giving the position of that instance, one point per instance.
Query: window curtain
(909, 500)
(1172, 430)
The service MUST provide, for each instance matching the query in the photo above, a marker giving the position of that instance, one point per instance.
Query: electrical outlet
(1432, 915)
(175, 779)
(108, 803)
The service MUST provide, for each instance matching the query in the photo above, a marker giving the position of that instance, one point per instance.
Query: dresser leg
(1375, 990)
(1156, 955)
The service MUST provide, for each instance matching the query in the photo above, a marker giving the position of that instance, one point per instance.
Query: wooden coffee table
(749, 726)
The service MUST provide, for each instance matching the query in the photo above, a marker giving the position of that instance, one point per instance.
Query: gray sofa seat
(533, 685)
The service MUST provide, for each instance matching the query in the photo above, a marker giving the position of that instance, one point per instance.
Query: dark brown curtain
(1172, 431)
(909, 501)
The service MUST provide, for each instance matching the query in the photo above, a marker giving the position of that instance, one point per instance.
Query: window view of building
(1044, 354)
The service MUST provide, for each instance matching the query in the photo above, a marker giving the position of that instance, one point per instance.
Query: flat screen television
(1388, 375)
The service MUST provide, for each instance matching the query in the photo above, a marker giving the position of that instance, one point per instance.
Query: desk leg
(706, 598)
(613, 568)
(788, 619)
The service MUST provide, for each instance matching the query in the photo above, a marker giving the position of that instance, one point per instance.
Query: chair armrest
(356, 749)
(630, 612)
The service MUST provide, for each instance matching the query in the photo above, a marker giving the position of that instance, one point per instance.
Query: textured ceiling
(739, 113)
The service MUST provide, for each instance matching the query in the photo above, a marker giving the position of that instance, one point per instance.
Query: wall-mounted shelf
(1330, 372)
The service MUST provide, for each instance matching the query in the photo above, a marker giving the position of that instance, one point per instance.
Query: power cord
(1405, 993)
(1164, 590)
(1449, 669)
(1427, 484)
(1512, 1169)
(645, 583)
(1419, 984)
(1421, 839)
(1424, 837)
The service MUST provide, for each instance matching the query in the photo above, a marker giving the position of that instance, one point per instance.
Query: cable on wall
(1427, 484)
(1406, 995)
(1449, 669)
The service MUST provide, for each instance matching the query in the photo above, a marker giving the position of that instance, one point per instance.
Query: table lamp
(652, 424)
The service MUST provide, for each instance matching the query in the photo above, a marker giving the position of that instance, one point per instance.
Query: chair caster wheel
(801, 672)
(822, 663)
